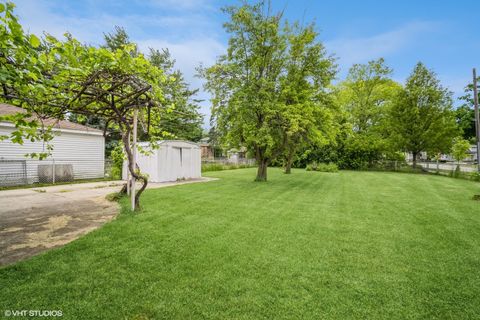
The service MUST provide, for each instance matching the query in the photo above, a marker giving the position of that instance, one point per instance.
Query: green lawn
(348, 245)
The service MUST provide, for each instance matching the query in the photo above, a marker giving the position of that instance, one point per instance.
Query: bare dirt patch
(32, 222)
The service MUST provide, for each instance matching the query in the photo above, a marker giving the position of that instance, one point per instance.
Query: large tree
(25, 81)
(268, 91)
(364, 99)
(366, 94)
(113, 85)
(180, 119)
(465, 114)
(244, 83)
(185, 120)
(422, 118)
(54, 79)
(306, 106)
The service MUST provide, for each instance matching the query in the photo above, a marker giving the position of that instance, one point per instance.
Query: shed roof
(6, 109)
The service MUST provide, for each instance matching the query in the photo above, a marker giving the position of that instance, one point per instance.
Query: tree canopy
(269, 89)
(422, 118)
(53, 78)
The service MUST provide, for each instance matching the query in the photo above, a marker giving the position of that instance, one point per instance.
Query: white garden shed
(173, 160)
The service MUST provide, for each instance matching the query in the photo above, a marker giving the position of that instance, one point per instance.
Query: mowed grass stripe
(308, 245)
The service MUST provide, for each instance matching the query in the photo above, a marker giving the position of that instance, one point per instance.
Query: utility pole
(477, 117)
(134, 153)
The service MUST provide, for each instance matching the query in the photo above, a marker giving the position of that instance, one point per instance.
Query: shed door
(186, 163)
(175, 164)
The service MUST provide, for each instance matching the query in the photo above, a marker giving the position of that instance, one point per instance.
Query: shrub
(218, 166)
(327, 167)
(117, 156)
(322, 167)
(212, 167)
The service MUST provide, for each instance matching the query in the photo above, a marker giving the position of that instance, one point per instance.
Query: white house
(423, 156)
(171, 161)
(78, 152)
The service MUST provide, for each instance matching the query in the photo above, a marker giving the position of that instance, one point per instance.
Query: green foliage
(363, 101)
(422, 119)
(268, 91)
(465, 114)
(460, 148)
(465, 118)
(206, 167)
(66, 77)
(244, 82)
(185, 120)
(459, 174)
(322, 167)
(118, 39)
(306, 106)
(475, 176)
(22, 74)
(118, 157)
(366, 96)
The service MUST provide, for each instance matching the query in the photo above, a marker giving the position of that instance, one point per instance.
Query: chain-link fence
(15, 172)
(453, 169)
(230, 161)
(448, 166)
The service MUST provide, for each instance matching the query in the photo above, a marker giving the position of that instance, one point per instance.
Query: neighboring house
(78, 153)
(173, 160)
(422, 156)
(207, 150)
(237, 155)
(471, 156)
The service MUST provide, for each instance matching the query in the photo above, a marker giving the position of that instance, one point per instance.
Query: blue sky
(442, 34)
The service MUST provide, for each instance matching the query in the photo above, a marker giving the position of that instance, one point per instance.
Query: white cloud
(189, 54)
(187, 34)
(360, 50)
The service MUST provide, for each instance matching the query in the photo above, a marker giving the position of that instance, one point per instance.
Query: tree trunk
(288, 168)
(262, 171)
(132, 166)
(262, 162)
(414, 160)
(288, 163)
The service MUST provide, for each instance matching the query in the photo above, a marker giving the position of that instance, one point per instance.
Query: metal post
(128, 173)
(128, 182)
(53, 171)
(477, 117)
(134, 153)
(24, 167)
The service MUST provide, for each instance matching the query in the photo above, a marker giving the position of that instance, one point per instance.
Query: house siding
(84, 151)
